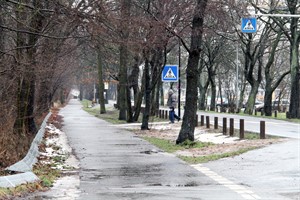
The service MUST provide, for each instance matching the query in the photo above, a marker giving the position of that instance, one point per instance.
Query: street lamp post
(237, 77)
(179, 86)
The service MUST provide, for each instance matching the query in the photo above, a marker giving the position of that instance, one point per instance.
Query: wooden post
(242, 129)
(216, 123)
(202, 120)
(224, 126)
(196, 123)
(160, 114)
(231, 127)
(207, 122)
(166, 114)
(275, 113)
(262, 130)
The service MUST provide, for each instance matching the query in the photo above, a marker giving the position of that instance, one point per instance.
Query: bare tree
(192, 74)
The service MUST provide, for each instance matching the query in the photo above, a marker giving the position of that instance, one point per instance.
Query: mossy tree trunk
(294, 110)
(124, 32)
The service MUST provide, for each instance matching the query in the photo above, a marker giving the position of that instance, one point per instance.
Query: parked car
(281, 105)
(259, 106)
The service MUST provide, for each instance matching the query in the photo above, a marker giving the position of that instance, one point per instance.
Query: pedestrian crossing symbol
(248, 25)
(170, 73)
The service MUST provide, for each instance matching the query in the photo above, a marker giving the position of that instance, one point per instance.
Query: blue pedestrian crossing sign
(170, 73)
(249, 25)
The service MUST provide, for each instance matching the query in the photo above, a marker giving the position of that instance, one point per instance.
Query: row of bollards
(231, 126)
(164, 114)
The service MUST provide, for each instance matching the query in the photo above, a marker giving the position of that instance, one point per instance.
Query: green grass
(47, 176)
(171, 147)
(204, 159)
(112, 114)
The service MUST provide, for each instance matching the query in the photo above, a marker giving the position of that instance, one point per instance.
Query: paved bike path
(115, 164)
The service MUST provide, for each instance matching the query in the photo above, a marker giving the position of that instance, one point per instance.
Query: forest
(48, 48)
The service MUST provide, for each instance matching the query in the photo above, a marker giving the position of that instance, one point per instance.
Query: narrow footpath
(115, 164)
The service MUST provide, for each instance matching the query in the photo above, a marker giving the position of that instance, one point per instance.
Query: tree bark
(25, 121)
(192, 75)
(100, 81)
(146, 114)
(124, 30)
(294, 110)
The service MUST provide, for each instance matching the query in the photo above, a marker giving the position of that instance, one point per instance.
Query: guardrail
(26, 164)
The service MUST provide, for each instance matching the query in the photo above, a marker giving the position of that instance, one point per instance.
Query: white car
(258, 106)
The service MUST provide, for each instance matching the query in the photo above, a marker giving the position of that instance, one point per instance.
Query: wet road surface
(115, 164)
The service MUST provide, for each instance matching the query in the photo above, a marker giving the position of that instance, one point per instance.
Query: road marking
(241, 190)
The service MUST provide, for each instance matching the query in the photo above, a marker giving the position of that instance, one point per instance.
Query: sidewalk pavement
(116, 164)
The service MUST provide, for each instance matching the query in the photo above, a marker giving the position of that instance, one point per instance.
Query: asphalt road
(273, 126)
(274, 169)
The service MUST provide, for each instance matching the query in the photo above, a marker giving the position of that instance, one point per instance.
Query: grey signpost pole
(179, 86)
(237, 77)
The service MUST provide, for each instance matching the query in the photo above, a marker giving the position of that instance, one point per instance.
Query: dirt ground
(223, 144)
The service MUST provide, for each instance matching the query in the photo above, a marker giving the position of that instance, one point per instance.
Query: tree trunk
(100, 82)
(294, 110)
(157, 95)
(203, 91)
(124, 26)
(26, 92)
(268, 101)
(146, 114)
(242, 94)
(139, 101)
(192, 75)
(270, 86)
(203, 84)
(213, 94)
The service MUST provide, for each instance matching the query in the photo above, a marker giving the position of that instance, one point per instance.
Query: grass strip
(204, 159)
(171, 147)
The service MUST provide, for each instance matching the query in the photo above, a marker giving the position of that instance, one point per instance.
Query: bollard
(202, 120)
(196, 123)
(242, 129)
(216, 123)
(160, 114)
(207, 122)
(166, 114)
(231, 126)
(224, 126)
(275, 113)
(262, 130)
(255, 112)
